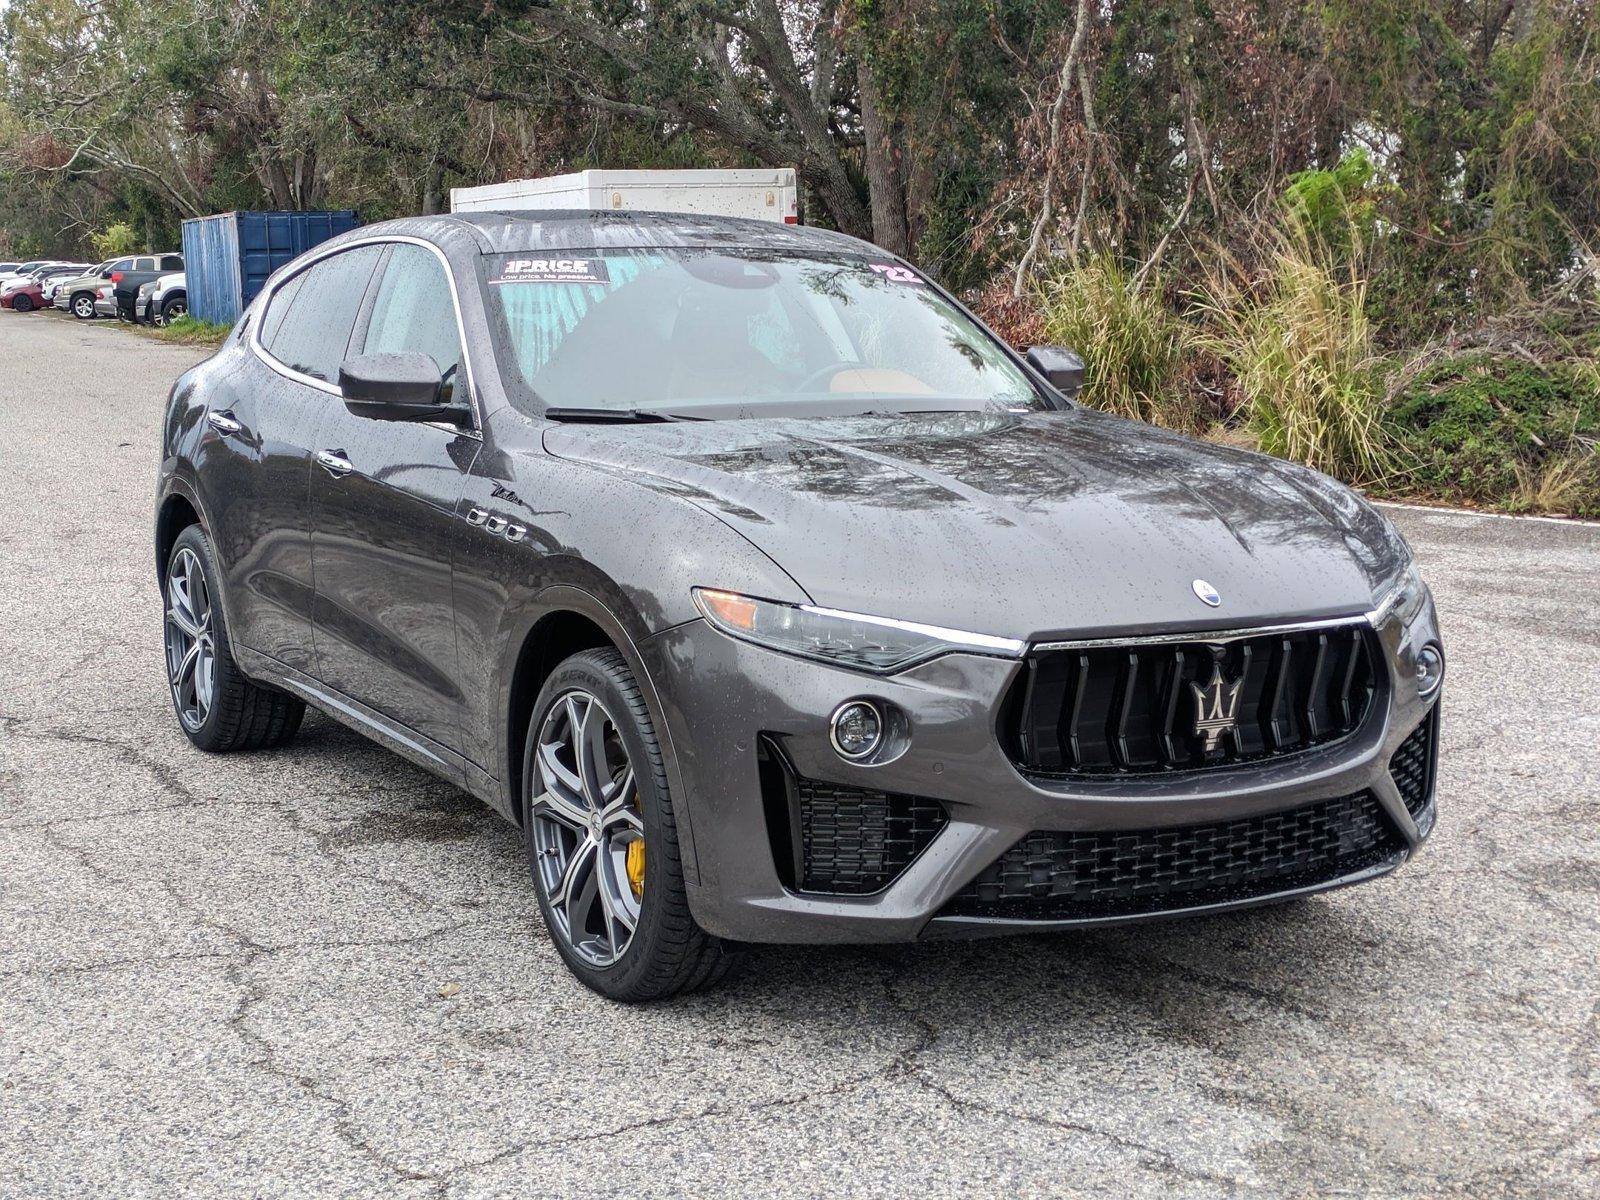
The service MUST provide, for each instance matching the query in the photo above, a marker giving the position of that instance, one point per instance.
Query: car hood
(1020, 525)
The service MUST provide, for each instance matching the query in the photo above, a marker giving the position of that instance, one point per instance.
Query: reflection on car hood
(1047, 524)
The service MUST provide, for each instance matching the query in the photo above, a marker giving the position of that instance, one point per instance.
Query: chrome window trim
(1373, 618)
(310, 259)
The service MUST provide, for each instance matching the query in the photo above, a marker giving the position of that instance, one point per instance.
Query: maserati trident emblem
(1207, 593)
(1216, 707)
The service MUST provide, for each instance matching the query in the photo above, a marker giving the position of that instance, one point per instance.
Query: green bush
(1129, 338)
(115, 240)
(1338, 206)
(1494, 430)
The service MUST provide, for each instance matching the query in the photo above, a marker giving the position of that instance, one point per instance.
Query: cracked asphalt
(237, 975)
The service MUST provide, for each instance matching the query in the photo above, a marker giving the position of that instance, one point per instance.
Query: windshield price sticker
(896, 274)
(551, 270)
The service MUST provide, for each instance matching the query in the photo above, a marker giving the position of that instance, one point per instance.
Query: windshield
(734, 333)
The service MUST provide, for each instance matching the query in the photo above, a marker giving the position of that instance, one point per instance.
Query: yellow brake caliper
(636, 868)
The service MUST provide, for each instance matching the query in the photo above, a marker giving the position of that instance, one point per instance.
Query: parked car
(22, 295)
(59, 275)
(142, 269)
(76, 293)
(105, 300)
(775, 598)
(162, 300)
(20, 269)
(26, 292)
(8, 269)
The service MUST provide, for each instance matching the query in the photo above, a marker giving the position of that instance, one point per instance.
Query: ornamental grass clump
(1300, 349)
(1130, 340)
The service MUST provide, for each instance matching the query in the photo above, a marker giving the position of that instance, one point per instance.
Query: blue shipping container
(228, 257)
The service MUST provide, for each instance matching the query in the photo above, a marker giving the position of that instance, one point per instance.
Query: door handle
(224, 423)
(335, 463)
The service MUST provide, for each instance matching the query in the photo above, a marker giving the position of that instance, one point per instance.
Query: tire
(23, 304)
(171, 309)
(665, 953)
(217, 707)
(83, 306)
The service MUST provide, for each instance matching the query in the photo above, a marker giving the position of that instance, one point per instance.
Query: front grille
(1412, 765)
(1081, 876)
(1144, 708)
(842, 841)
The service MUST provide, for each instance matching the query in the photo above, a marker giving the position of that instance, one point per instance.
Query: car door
(256, 461)
(384, 504)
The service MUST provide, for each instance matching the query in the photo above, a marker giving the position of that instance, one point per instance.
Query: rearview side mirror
(1062, 367)
(401, 385)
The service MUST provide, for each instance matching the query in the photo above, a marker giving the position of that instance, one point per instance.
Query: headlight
(1407, 597)
(876, 644)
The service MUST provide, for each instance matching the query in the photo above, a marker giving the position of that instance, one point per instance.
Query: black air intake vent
(1145, 708)
(1412, 765)
(842, 841)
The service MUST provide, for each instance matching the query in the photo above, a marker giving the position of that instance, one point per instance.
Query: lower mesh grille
(1412, 765)
(1082, 876)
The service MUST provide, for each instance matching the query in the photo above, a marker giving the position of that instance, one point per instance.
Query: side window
(144, 264)
(415, 310)
(312, 333)
(278, 307)
(122, 264)
(171, 262)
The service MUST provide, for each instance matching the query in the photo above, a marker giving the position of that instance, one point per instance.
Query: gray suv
(775, 599)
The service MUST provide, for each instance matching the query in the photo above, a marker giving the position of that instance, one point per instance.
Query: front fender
(523, 624)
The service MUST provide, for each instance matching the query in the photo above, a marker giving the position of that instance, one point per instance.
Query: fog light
(856, 730)
(1430, 670)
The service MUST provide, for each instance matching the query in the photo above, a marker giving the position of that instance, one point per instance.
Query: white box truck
(768, 195)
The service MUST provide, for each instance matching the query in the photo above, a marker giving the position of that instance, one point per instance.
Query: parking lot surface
(318, 971)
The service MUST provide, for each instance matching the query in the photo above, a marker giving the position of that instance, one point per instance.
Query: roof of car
(585, 229)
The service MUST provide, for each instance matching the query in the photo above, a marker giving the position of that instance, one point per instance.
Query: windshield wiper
(607, 416)
(614, 416)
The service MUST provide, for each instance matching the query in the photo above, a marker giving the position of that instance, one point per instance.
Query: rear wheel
(83, 306)
(218, 708)
(601, 840)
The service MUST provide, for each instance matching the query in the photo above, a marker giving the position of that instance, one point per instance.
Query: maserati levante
(775, 599)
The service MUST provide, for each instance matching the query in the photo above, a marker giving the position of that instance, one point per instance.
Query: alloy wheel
(191, 645)
(588, 829)
(83, 308)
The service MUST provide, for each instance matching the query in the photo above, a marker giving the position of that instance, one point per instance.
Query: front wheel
(83, 307)
(23, 304)
(601, 840)
(218, 708)
(171, 310)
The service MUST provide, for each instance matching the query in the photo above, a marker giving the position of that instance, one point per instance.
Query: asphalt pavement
(318, 971)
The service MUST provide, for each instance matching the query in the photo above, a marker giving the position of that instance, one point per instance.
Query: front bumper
(722, 698)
